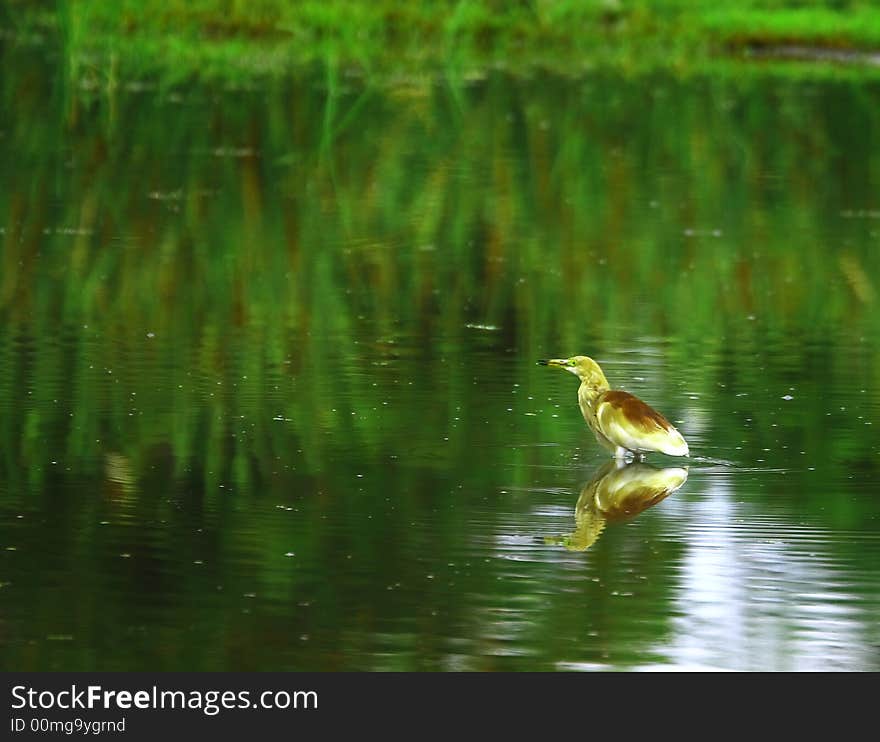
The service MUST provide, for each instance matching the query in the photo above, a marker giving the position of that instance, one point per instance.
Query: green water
(268, 393)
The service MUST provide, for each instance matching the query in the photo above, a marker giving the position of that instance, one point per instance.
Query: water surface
(268, 393)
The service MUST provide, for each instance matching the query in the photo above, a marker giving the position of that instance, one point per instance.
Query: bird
(617, 492)
(622, 423)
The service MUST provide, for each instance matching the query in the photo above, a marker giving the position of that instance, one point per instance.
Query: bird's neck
(588, 393)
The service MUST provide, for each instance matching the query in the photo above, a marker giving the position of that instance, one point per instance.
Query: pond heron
(621, 422)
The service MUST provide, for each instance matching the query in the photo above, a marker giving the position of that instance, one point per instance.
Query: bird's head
(585, 368)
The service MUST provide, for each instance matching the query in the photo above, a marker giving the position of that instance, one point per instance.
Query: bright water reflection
(760, 590)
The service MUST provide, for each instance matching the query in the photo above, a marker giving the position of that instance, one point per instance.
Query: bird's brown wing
(627, 409)
(628, 422)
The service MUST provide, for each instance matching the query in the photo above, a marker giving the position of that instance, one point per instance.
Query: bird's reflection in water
(617, 492)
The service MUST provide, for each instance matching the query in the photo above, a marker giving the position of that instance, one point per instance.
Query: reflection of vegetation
(108, 41)
(208, 312)
(254, 263)
(618, 492)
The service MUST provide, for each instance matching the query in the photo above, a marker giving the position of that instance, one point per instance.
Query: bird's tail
(676, 445)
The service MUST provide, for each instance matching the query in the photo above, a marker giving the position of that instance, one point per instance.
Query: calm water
(268, 393)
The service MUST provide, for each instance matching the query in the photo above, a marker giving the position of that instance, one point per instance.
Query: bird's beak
(553, 362)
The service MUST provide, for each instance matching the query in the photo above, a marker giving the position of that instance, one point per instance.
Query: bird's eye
(571, 363)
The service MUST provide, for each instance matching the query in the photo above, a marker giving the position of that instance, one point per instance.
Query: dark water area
(268, 393)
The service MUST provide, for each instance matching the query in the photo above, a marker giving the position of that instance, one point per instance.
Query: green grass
(857, 29)
(175, 41)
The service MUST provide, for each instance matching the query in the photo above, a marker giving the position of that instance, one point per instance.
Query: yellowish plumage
(621, 422)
